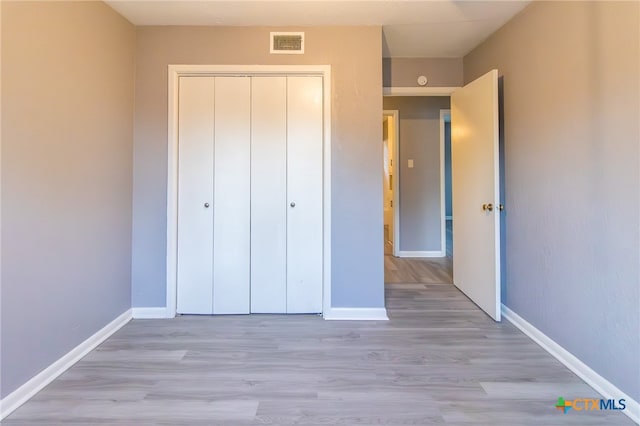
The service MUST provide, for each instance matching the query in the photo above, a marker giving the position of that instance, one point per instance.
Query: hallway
(428, 270)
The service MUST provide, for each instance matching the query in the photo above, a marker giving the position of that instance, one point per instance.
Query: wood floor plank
(438, 360)
(528, 390)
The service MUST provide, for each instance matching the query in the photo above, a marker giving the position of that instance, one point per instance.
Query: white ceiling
(417, 28)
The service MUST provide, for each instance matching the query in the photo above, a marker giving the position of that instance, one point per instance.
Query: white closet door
(231, 220)
(269, 195)
(195, 192)
(304, 193)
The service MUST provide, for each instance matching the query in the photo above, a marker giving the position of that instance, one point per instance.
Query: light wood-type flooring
(439, 360)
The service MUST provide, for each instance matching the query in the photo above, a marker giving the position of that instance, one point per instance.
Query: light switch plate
(410, 164)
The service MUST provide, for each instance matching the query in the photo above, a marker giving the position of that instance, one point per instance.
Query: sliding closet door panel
(195, 192)
(231, 246)
(304, 193)
(269, 195)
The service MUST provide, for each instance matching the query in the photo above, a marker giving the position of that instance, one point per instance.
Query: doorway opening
(390, 136)
(416, 133)
(473, 126)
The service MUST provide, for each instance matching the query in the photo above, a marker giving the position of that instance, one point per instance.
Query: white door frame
(444, 113)
(394, 113)
(175, 72)
(421, 91)
(418, 91)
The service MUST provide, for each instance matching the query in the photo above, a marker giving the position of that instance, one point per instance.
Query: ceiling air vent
(288, 43)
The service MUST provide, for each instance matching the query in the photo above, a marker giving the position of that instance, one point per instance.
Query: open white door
(475, 192)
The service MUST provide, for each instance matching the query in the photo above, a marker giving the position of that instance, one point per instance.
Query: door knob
(487, 207)
(206, 205)
(293, 204)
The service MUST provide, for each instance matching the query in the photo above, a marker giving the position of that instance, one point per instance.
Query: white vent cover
(287, 42)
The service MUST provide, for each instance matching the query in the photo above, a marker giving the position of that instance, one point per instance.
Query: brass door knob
(487, 207)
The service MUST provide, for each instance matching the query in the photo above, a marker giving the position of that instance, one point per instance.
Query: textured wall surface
(447, 170)
(404, 72)
(354, 54)
(67, 142)
(571, 108)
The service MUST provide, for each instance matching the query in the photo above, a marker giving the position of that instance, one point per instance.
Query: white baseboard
(356, 314)
(150, 313)
(601, 385)
(21, 395)
(435, 253)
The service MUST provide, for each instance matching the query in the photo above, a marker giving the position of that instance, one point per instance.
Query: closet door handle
(206, 205)
(293, 204)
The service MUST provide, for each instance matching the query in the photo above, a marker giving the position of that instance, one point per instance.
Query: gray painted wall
(404, 72)
(355, 57)
(448, 206)
(420, 199)
(67, 137)
(570, 73)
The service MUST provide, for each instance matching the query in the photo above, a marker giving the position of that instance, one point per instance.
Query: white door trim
(443, 205)
(396, 181)
(175, 71)
(396, 178)
(418, 91)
